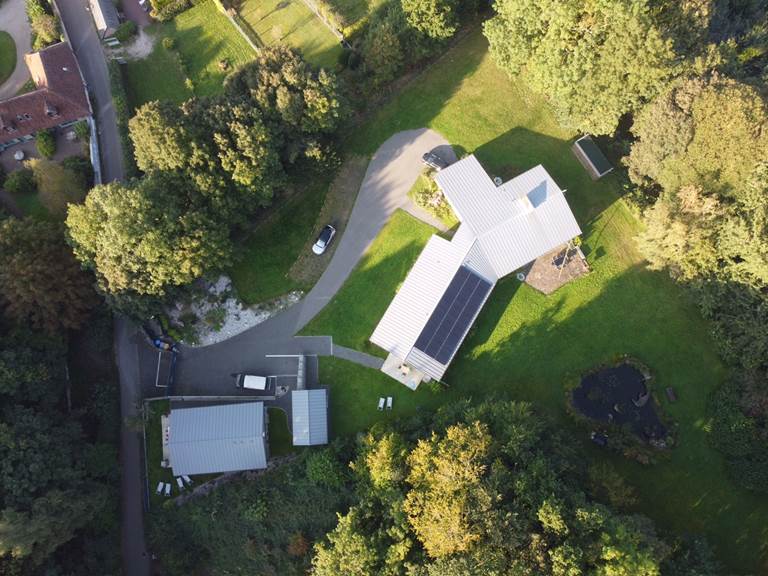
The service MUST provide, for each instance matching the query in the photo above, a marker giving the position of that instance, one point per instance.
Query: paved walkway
(391, 173)
(13, 19)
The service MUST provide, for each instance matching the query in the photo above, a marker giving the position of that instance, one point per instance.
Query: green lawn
(526, 345)
(7, 56)
(156, 77)
(351, 316)
(355, 13)
(204, 38)
(291, 22)
(280, 439)
(265, 257)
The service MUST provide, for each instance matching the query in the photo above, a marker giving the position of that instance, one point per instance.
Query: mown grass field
(204, 37)
(7, 56)
(525, 345)
(292, 23)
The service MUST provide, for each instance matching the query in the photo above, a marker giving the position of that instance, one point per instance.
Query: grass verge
(525, 345)
(266, 255)
(280, 439)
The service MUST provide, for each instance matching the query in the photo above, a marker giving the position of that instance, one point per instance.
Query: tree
(57, 185)
(703, 132)
(594, 60)
(46, 143)
(20, 182)
(347, 553)
(144, 237)
(437, 19)
(450, 503)
(382, 48)
(41, 283)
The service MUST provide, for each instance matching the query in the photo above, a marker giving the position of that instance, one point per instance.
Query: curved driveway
(390, 175)
(13, 19)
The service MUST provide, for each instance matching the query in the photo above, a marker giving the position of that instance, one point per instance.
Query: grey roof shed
(310, 417)
(105, 17)
(224, 438)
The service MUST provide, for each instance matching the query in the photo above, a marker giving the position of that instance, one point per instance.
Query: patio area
(395, 367)
(67, 145)
(556, 268)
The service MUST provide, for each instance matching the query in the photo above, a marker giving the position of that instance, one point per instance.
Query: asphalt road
(391, 173)
(85, 42)
(87, 47)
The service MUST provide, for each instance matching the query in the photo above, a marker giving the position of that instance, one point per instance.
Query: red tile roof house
(60, 99)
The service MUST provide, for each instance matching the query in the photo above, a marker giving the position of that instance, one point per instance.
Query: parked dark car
(434, 161)
(324, 240)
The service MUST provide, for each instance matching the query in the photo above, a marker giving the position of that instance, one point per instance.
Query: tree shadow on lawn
(526, 346)
(198, 51)
(413, 108)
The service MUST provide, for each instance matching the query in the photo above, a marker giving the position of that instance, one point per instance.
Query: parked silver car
(324, 240)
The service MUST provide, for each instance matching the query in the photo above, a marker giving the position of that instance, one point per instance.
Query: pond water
(619, 395)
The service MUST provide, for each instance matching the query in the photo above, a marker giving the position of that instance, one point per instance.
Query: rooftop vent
(50, 110)
(497, 180)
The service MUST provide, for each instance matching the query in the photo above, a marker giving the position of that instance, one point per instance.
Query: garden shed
(591, 157)
(310, 417)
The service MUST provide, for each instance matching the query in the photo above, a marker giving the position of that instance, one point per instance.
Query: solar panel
(450, 320)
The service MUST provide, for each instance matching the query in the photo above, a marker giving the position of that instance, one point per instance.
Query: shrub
(46, 143)
(126, 31)
(21, 182)
(82, 167)
(83, 131)
(169, 43)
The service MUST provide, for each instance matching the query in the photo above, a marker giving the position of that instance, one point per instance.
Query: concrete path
(357, 357)
(391, 173)
(13, 19)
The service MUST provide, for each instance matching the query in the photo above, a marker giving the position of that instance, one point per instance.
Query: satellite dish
(521, 276)
(497, 180)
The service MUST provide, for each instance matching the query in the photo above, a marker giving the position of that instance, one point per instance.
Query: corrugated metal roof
(105, 15)
(414, 302)
(310, 417)
(211, 439)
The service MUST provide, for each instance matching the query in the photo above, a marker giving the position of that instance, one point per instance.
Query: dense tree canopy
(41, 283)
(436, 19)
(594, 59)
(491, 490)
(146, 236)
(210, 164)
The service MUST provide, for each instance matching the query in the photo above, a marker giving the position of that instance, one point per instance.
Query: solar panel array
(443, 332)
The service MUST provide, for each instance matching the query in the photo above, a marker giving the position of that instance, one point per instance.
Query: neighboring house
(502, 229)
(221, 438)
(105, 17)
(60, 99)
(310, 417)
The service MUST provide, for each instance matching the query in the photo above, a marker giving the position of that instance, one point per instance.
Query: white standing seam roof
(310, 416)
(211, 439)
(414, 302)
(502, 229)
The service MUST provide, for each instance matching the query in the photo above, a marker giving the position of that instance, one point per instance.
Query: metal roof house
(502, 229)
(310, 416)
(212, 439)
(105, 17)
